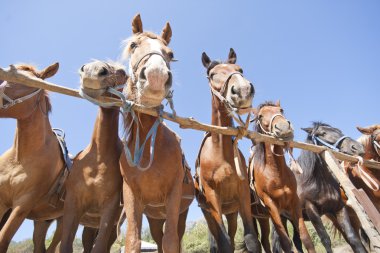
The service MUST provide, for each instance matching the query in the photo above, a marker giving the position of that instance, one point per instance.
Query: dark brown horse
(94, 184)
(30, 169)
(319, 191)
(156, 181)
(275, 183)
(219, 189)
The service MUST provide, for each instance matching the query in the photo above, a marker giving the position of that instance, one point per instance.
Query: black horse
(319, 191)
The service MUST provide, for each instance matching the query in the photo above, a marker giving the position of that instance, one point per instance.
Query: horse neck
(144, 124)
(277, 162)
(106, 130)
(33, 134)
(221, 117)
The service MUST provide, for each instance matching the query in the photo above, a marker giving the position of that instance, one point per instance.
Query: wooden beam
(349, 189)
(14, 75)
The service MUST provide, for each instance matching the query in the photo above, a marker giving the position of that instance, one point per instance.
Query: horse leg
(133, 211)
(56, 237)
(297, 238)
(11, 226)
(72, 213)
(112, 239)
(107, 224)
(349, 233)
(39, 235)
(265, 231)
(250, 236)
(232, 226)
(315, 218)
(300, 227)
(4, 215)
(276, 245)
(277, 222)
(156, 226)
(182, 226)
(170, 240)
(88, 238)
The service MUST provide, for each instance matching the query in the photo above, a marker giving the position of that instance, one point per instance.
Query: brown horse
(361, 176)
(219, 189)
(153, 178)
(94, 185)
(30, 169)
(275, 183)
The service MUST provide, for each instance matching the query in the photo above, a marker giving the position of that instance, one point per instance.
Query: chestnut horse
(275, 183)
(361, 176)
(94, 185)
(319, 191)
(31, 168)
(156, 182)
(219, 189)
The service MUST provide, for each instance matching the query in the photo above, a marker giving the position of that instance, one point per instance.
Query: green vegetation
(195, 239)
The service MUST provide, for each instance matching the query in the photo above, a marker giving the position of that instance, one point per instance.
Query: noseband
(334, 146)
(270, 132)
(220, 94)
(148, 55)
(376, 146)
(12, 102)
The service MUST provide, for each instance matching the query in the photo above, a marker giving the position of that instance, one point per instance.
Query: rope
(237, 159)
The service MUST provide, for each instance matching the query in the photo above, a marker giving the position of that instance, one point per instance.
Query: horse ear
(232, 56)
(121, 77)
(205, 60)
(367, 130)
(308, 130)
(49, 71)
(278, 104)
(167, 33)
(137, 26)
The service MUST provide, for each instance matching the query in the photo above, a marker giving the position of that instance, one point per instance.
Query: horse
(31, 169)
(94, 185)
(219, 188)
(319, 191)
(156, 181)
(274, 181)
(363, 177)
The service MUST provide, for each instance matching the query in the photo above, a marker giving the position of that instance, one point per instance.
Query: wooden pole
(349, 188)
(14, 75)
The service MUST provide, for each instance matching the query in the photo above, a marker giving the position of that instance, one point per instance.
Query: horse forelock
(126, 53)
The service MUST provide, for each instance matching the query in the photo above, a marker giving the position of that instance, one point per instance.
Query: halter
(136, 66)
(334, 146)
(270, 132)
(220, 94)
(12, 102)
(376, 146)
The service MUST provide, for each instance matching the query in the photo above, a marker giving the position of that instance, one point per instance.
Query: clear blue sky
(320, 58)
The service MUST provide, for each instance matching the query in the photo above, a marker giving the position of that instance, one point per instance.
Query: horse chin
(95, 93)
(287, 138)
(151, 101)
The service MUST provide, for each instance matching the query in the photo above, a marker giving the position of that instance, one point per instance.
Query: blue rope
(334, 146)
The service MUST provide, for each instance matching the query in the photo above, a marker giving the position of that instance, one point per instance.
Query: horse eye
(133, 45)
(212, 75)
(241, 71)
(171, 55)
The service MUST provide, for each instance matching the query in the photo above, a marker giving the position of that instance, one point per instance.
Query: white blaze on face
(156, 72)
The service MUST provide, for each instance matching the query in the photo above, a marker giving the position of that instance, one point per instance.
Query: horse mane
(32, 69)
(125, 43)
(259, 152)
(314, 167)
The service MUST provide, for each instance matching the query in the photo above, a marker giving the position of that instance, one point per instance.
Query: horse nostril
(142, 74)
(82, 68)
(103, 72)
(252, 88)
(169, 81)
(233, 91)
(354, 148)
(275, 126)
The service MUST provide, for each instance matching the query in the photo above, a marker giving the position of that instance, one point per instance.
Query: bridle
(12, 102)
(147, 55)
(376, 145)
(221, 94)
(334, 146)
(270, 132)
